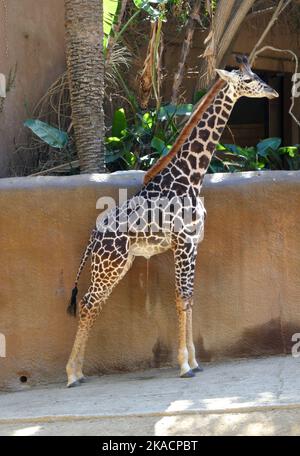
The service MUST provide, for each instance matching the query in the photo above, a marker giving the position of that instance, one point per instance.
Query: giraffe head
(246, 83)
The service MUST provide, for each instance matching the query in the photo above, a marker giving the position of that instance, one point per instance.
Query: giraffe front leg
(183, 353)
(195, 366)
(185, 259)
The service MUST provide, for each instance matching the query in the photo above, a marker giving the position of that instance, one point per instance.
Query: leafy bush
(137, 145)
(266, 155)
(139, 142)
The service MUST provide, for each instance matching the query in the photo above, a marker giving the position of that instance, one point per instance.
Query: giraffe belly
(149, 247)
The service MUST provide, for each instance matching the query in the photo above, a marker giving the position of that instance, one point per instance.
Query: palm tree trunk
(85, 65)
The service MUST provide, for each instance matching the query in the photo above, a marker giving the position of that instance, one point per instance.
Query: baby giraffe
(167, 213)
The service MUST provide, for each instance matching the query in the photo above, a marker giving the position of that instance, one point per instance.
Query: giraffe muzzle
(271, 93)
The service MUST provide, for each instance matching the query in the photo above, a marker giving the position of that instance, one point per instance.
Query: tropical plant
(138, 142)
(266, 155)
(110, 8)
(50, 135)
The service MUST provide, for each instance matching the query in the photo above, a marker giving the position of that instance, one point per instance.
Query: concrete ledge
(247, 283)
(242, 397)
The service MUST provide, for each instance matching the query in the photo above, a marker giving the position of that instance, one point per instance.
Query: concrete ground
(242, 397)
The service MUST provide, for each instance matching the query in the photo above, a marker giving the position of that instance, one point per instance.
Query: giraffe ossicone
(129, 230)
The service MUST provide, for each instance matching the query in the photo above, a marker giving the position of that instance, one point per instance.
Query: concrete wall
(31, 37)
(247, 284)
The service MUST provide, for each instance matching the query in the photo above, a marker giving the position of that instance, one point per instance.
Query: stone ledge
(133, 178)
(251, 392)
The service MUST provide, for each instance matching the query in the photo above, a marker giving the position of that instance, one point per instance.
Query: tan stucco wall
(247, 283)
(31, 37)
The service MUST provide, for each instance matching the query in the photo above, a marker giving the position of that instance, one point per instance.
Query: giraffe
(171, 190)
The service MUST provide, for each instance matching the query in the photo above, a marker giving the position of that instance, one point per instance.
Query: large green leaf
(170, 110)
(233, 148)
(220, 147)
(119, 124)
(146, 122)
(50, 135)
(266, 144)
(198, 95)
(111, 157)
(159, 145)
(129, 158)
(110, 8)
(289, 150)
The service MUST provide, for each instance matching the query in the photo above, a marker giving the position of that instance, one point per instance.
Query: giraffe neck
(196, 153)
(200, 109)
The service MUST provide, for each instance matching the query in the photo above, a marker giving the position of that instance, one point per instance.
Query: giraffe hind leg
(105, 275)
(89, 309)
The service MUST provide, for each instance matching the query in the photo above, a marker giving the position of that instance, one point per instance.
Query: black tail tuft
(73, 304)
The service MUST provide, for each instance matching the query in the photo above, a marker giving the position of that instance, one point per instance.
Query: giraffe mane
(185, 132)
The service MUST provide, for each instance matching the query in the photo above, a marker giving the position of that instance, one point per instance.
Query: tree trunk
(186, 46)
(85, 65)
(210, 55)
(233, 27)
(227, 21)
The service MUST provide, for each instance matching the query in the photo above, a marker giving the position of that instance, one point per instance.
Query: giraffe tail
(73, 302)
(71, 310)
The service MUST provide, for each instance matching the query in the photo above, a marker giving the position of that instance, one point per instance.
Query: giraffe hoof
(197, 369)
(82, 380)
(188, 374)
(72, 385)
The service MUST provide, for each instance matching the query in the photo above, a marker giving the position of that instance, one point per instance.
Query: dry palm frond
(33, 155)
(146, 80)
(120, 58)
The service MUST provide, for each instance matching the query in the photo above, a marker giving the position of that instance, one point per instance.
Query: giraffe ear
(227, 76)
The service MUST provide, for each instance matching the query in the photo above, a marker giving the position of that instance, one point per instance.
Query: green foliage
(50, 135)
(169, 111)
(164, 9)
(119, 123)
(266, 155)
(148, 136)
(110, 8)
(140, 142)
(267, 145)
(153, 13)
